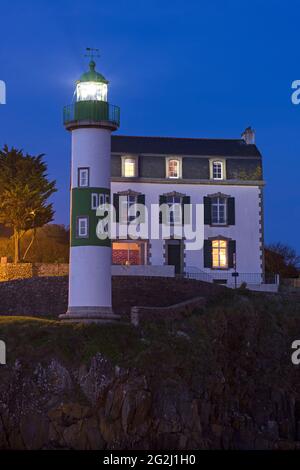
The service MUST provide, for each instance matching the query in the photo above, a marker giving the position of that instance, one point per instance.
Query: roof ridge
(176, 138)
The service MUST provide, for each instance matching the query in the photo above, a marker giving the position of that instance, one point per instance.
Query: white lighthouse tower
(90, 119)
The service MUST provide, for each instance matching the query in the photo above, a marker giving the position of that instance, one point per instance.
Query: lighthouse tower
(91, 120)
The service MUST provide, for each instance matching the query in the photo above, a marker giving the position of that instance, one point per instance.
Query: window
(83, 177)
(94, 200)
(98, 199)
(219, 210)
(129, 253)
(219, 253)
(129, 167)
(175, 209)
(173, 168)
(128, 211)
(82, 227)
(217, 172)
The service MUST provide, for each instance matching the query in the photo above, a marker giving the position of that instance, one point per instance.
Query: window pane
(173, 169)
(129, 167)
(95, 201)
(223, 258)
(217, 170)
(128, 253)
(215, 215)
(215, 257)
(82, 225)
(83, 177)
(219, 254)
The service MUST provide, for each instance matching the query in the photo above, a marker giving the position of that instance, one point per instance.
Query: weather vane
(92, 52)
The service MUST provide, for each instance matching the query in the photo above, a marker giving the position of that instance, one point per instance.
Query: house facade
(223, 176)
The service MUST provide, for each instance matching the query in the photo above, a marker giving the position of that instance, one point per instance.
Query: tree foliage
(24, 193)
(282, 259)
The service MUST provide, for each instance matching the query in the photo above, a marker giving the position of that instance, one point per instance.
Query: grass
(74, 343)
(185, 347)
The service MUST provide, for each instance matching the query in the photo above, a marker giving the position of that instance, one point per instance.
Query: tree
(51, 245)
(282, 259)
(24, 193)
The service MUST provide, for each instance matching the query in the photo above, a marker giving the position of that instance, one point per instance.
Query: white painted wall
(90, 266)
(90, 279)
(245, 231)
(91, 148)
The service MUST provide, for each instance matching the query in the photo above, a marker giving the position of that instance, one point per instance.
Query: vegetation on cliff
(219, 378)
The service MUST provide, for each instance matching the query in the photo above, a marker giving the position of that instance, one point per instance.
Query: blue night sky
(189, 69)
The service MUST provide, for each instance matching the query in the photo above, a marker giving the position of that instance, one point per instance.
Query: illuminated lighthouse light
(91, 91)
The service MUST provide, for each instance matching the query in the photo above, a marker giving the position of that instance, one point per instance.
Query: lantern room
(91, 86)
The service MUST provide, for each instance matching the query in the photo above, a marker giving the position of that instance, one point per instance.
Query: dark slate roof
(183, 146)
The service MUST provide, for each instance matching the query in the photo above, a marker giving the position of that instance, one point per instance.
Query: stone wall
(48, 296)
(171, 313)
(11, 271)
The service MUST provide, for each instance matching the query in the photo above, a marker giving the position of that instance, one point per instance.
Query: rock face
(222, 379)
(105, 408)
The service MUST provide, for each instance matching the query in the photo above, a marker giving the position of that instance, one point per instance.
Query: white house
(225, 175)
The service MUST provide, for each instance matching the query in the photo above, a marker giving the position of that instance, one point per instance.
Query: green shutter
(186, 212)
(207, 251)
(141, 200)
(116, 206)
(231, 211)
(162, 200)
(207, 210)
(231, 252)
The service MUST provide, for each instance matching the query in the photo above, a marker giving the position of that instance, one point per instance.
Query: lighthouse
(91, 120)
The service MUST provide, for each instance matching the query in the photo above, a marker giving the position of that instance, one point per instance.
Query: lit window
(128, 210)
(129, 253)
(82, 227)
(217, 171)
(174, 215)
(83, 177)
(173, 168)
(219, 210)
(129, 167)
(219, 254)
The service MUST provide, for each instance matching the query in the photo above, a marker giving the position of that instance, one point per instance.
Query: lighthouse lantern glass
(91, 91)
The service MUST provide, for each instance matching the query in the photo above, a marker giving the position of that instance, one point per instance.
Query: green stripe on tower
(81, 206)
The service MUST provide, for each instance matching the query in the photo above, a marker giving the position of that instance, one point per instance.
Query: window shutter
(162, 200)
(141, 200)
(207, 250)
(207, 210)
(231, 211)
(186, 211)
(231, 252)
(116, 206)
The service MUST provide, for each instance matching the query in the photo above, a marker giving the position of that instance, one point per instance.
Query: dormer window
(173, 168)
(217, 169)
(129, 167)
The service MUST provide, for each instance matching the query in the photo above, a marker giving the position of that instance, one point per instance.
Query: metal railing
(231, 278)
(97, 111)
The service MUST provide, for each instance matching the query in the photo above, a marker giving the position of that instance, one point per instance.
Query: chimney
(249, 135)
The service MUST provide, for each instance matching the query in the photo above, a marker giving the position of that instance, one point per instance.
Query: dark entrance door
(174, 256)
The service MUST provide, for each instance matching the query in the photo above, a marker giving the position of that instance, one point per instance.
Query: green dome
(92, 75)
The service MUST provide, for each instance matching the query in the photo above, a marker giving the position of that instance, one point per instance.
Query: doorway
(174, 254)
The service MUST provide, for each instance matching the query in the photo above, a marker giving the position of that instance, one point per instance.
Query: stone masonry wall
(11, 271)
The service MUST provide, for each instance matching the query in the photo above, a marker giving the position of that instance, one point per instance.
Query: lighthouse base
(90, 315)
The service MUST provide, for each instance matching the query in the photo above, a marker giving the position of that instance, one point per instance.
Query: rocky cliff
(219, 378)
